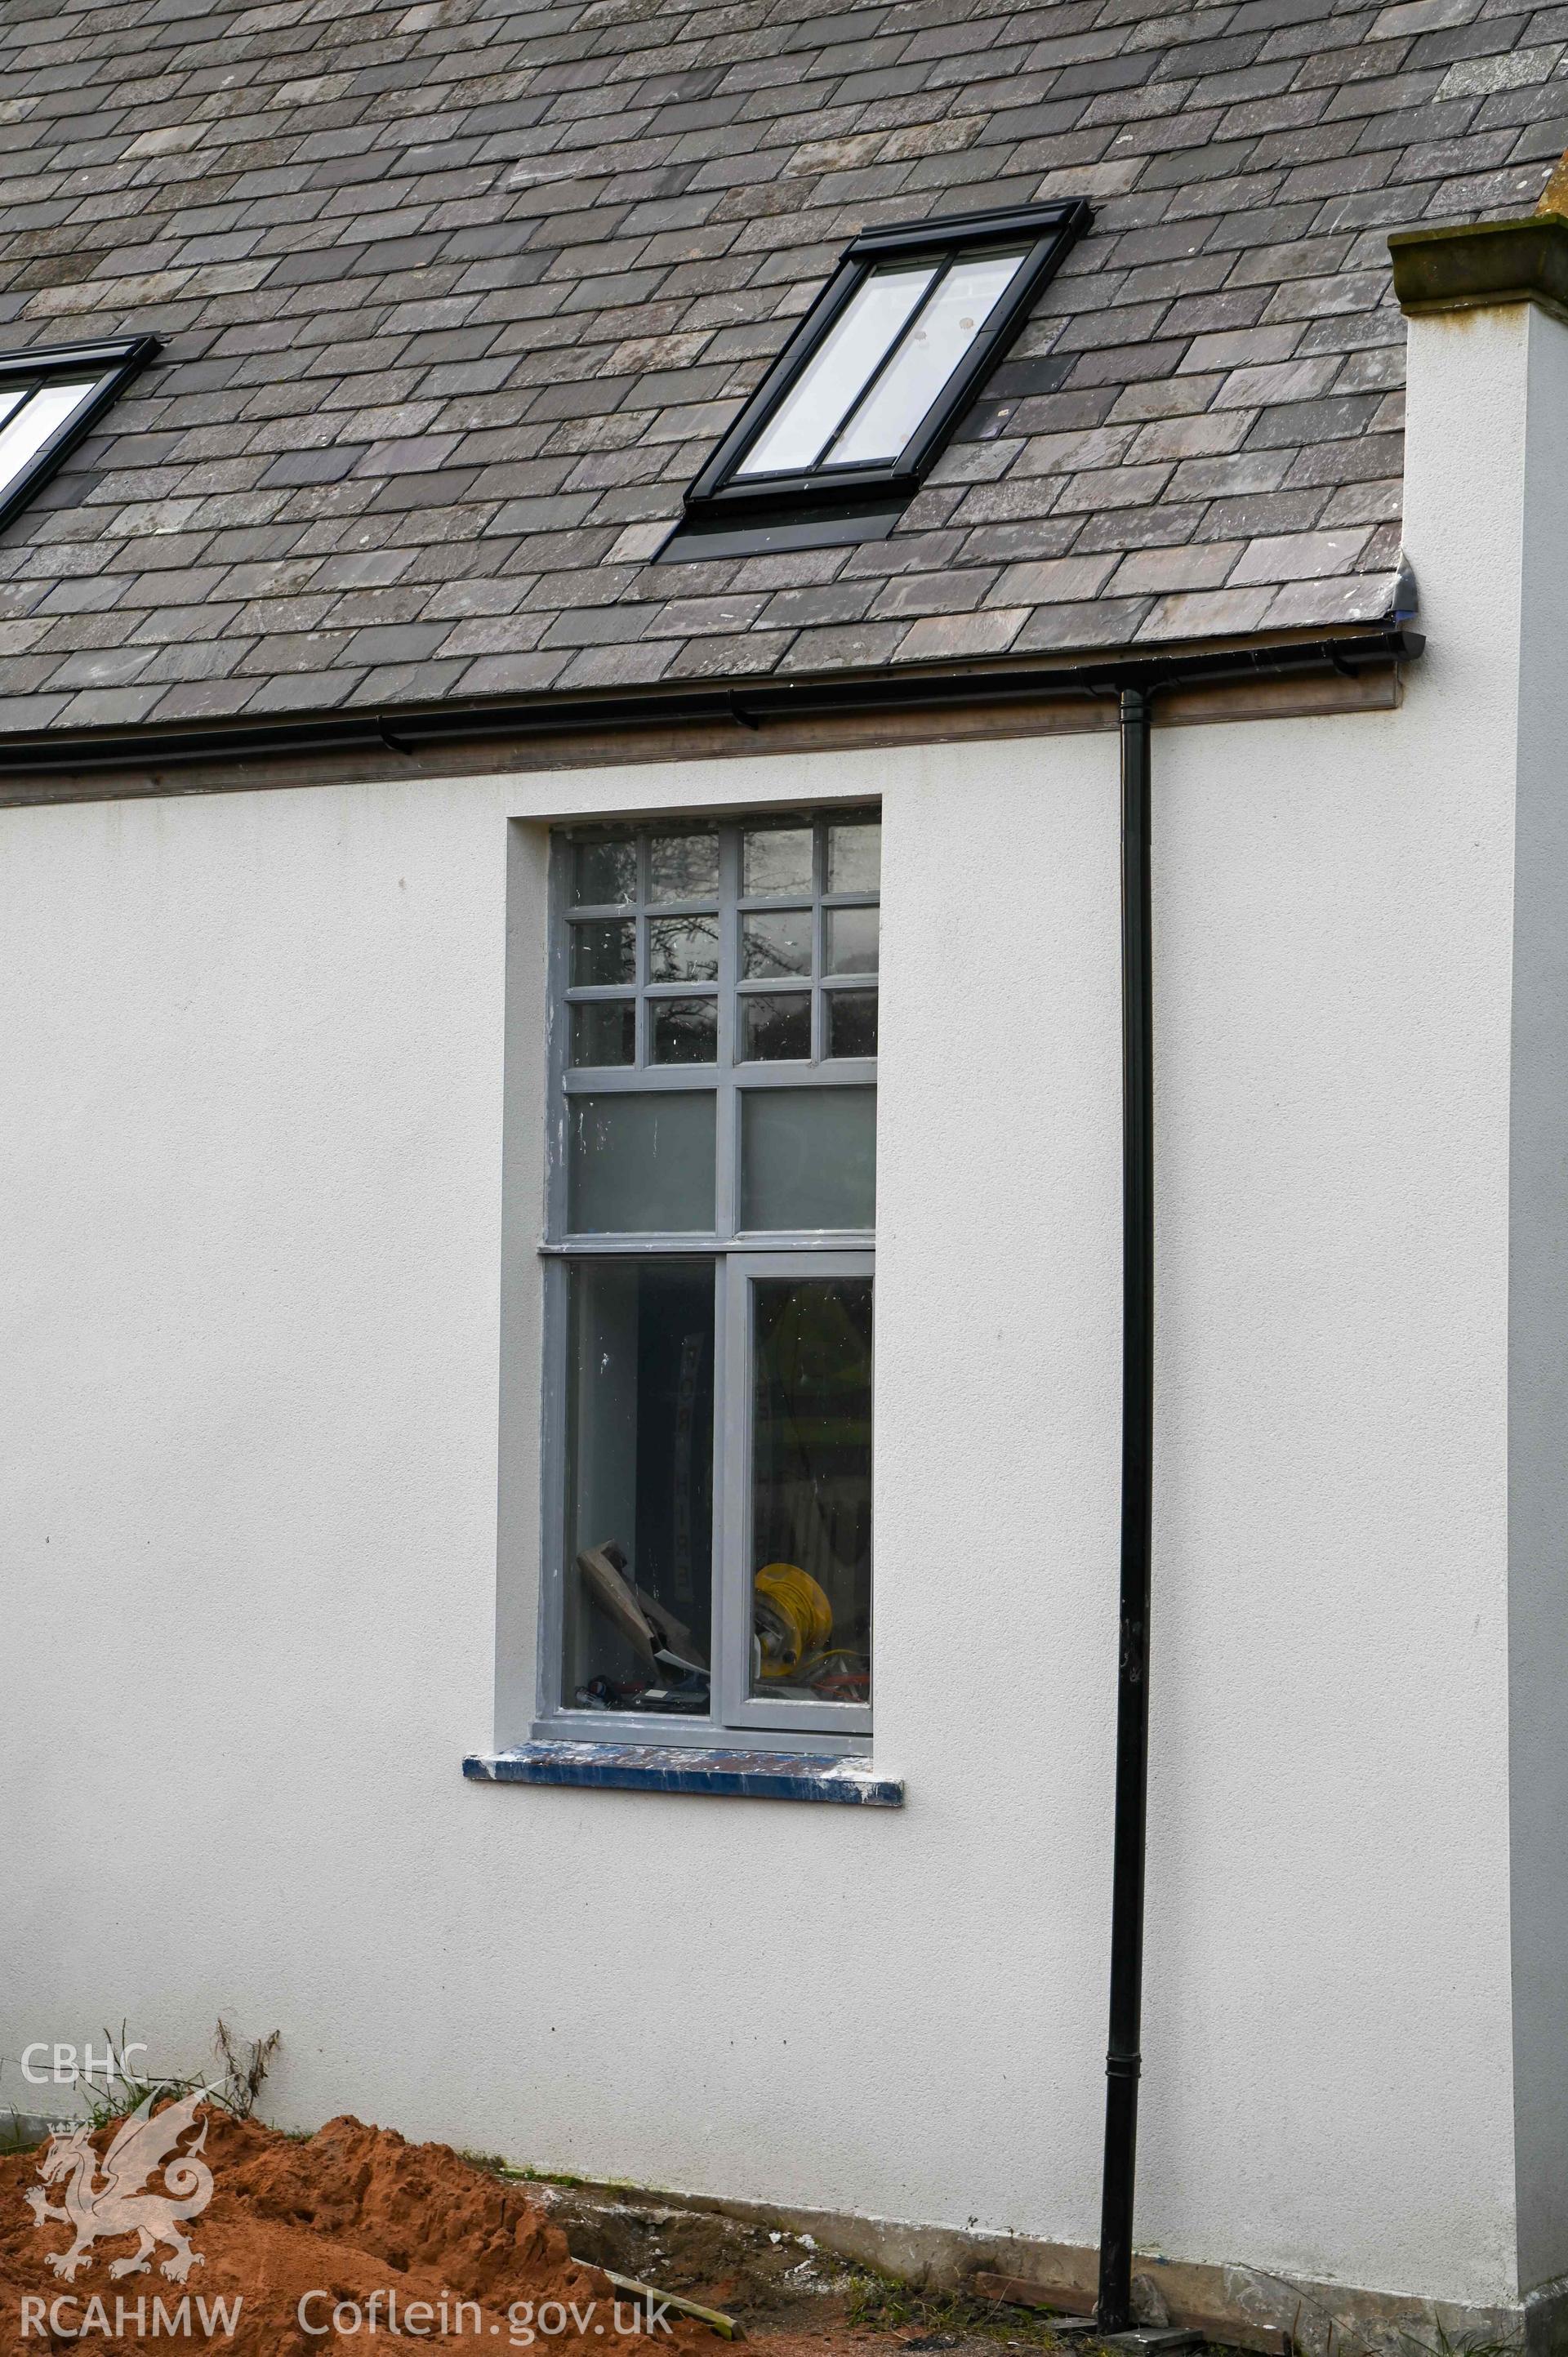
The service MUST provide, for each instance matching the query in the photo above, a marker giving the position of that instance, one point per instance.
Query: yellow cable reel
(793, 1617)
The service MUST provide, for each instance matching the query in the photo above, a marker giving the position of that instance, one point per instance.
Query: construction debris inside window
(811, 1489)
(640, 1487)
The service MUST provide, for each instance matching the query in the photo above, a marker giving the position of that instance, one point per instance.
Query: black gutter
(1124, 2061)
(408, 729)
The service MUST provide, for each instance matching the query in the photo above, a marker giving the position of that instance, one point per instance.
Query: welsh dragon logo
(115, 2203)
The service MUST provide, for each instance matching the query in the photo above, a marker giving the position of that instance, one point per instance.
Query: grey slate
(459, 296)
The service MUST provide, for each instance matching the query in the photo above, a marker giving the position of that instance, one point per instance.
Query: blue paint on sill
(681, 1768)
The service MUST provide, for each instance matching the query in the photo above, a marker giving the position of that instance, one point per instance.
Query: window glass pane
(851, 940)
(775, 1030)
(603, 1031)
(778, 859)
(855, 857)
(637, 1164)
(30, 427)
(683, 1030)
(640, 1487)
(774, 944)
(683, 949)
(811, 1488)
(808, 1158)
(851, 1022)
(926, 357)
(824, 392)
(683, 867)
(605, 952)
(604, 869)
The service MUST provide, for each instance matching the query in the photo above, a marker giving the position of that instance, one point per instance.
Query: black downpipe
(1122, 2061)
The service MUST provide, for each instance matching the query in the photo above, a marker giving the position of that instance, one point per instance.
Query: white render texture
(252, 1052)
(1538, 1358)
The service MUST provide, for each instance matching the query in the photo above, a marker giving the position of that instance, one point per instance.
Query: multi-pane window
(711, 1214)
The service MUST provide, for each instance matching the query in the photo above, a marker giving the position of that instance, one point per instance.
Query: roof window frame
(859, 501)
(112, 360)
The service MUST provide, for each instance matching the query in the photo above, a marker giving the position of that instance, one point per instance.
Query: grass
(246, 2063)
(886, 2304)
(243, 2064)
(123, 2090)
(1469, 2345)
(524, 2173)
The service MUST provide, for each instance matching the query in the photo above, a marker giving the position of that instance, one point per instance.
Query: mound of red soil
(326, 2221)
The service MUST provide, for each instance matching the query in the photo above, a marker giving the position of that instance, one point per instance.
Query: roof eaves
(1092, 677)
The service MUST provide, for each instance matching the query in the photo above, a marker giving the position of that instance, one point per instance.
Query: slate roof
(457, 295)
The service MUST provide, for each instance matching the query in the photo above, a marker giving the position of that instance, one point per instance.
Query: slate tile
(937, 637)
(1161, 571)
(618, 666)
(1371, 502)
(1293, 425)
(1201, 434)
(1291, 382)
(323, 690)
(394, 642)
(22, 714)
(926, 594)
(194, 659)
(359, 263)
(1100, 622)
(810, 605)
(587, 626)
(1259, 514)
(757, 651)
(1054, 581)
(1362, 597)
(108, 707)
(845, 646)
(1165, 525)
(1205, 613)
(100, 668)
(1364, 458)
(904, 552)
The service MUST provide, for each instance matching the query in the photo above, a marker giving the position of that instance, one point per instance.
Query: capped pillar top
(1462, 267)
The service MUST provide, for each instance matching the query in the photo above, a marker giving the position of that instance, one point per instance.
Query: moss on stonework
(1459, 267)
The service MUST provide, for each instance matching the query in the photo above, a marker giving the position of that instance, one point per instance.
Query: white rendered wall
(251, 1052)
(1538, 1389)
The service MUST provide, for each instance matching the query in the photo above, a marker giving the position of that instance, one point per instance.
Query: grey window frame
(736, 1719)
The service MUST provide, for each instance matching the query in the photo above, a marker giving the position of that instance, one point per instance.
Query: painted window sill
(678, 1768)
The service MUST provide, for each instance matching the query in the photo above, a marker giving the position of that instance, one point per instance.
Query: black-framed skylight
(850, 417)
(49, 398)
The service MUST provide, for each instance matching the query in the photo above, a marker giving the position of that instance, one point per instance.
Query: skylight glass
(49, 397)
(35, 418)
(828, 388)
(872, 381)
(947, 325)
